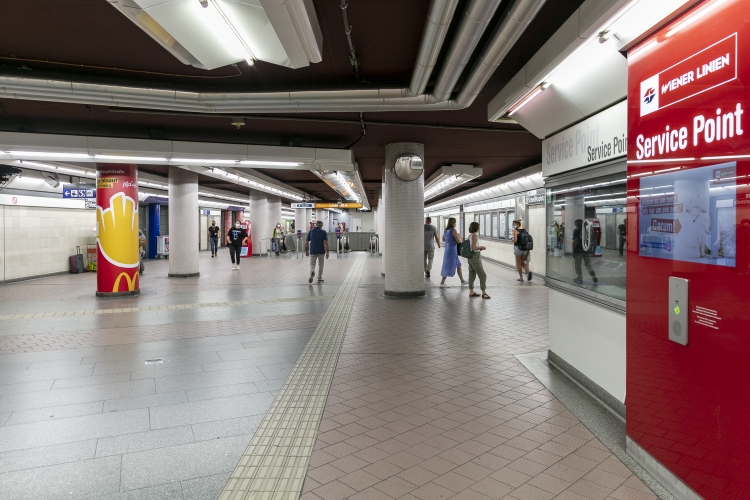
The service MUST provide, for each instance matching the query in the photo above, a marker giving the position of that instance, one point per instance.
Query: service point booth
(688, 314)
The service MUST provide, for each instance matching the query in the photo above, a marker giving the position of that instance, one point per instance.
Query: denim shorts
(518, 251)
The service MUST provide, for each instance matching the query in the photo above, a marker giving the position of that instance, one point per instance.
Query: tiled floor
(82, 413)
(427, 399)
(428, 402)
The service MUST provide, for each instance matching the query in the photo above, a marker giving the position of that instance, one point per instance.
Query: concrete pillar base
(114, 295)
(418, 293)
(185, 275)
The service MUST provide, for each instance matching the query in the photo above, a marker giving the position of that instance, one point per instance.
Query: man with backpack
(523, 243)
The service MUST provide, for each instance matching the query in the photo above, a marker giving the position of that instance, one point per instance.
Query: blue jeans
(214, 245)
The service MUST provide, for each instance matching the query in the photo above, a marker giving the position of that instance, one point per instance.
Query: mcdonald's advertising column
(117, 258)
(688, 279)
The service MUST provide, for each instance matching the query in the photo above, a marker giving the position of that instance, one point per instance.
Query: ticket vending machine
(591, 237)
(247, 247)
(688, 274)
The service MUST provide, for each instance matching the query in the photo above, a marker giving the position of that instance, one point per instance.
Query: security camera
(51, 179)
(204, 3)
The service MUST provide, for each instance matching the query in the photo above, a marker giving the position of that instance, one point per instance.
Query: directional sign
(81, 193)
(666, 226)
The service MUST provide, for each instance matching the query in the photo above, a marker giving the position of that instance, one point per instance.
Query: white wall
(591, 339)
(367, 219)
(40, 240)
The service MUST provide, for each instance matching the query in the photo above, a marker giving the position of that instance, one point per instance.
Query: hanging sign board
(600, 138)
(326, 205)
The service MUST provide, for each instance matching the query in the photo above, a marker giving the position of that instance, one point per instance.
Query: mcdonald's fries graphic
(118, 256)
(118, 231)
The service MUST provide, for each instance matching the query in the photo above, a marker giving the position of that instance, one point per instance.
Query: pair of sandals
(475, 294)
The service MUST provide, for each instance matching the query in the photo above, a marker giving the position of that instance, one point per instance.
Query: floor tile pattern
(122, 310)
(428, 402)
(84, 415)
(274, 465)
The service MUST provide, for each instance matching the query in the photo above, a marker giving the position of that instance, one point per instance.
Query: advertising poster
(690, 215)
(118, 258)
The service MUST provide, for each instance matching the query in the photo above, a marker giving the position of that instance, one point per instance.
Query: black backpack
(525, 241)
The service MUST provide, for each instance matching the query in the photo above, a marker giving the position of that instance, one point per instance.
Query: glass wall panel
(587, 234)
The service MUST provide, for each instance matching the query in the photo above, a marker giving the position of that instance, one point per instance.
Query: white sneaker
(234, 267)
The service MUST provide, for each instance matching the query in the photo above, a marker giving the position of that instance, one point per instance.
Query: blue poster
(690, 215)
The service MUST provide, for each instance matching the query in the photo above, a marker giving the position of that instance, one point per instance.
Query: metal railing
(374, 244)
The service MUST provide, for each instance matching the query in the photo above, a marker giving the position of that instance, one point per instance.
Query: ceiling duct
(209, 34)
(521, 12)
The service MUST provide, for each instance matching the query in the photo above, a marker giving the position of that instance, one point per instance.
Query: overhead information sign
(78, 192)
(326, 205)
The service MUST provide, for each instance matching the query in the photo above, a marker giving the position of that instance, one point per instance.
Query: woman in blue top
(451, 264)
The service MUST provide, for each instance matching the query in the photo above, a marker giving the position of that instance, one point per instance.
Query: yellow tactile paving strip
(159, 308)
(275, 462)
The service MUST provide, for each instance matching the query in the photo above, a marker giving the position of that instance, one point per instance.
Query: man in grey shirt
(430, 234)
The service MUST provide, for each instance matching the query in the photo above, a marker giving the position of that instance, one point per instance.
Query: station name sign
(599, 138)
(326, 205)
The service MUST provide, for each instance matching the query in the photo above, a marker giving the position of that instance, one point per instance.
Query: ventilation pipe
(438, 21)
(473, 24)
(503, 39)
(520, 14)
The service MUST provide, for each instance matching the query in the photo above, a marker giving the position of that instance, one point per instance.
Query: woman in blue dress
(451, 264)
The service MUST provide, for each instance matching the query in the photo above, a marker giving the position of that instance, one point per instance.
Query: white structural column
(302, 218)
(184, 239)
(404, 226)
(383, 236)
(259, 221)
(274, 214)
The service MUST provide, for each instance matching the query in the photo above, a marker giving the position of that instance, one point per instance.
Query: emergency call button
(678, 300)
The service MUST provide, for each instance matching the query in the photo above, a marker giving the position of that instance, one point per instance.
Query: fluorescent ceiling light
(128, 158)
(271, 163)
(73, 170)
(694, 17)
(247, 53)
(46, 154)
(205, 162)
(525, 100)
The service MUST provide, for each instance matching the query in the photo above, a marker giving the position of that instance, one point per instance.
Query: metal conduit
(521, 13)
(436, 27)
(473, 23)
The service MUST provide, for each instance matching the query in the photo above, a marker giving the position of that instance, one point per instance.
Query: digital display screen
(690, 215)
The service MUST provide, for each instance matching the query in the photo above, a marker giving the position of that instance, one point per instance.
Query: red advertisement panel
(118, 256)
(688, 188)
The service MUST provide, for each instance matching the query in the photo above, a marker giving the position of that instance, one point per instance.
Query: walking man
(430, 234)
(213, 237)
(622, 232)
(236, 237)
(579, 254)
(316, 246)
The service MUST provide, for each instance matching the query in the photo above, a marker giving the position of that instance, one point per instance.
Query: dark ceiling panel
(386, 34)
